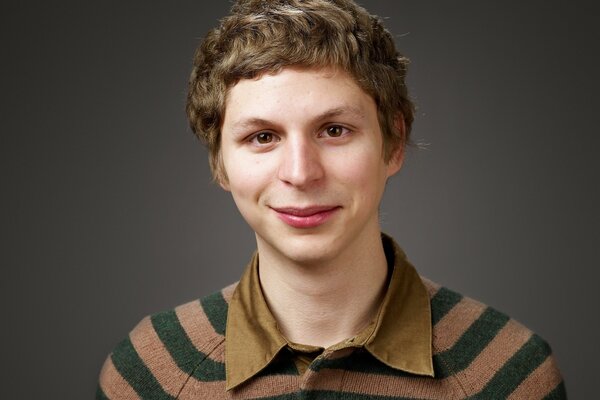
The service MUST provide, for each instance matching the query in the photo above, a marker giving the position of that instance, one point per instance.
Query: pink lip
(307, 217)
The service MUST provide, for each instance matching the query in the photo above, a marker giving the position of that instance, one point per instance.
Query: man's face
(302, 150)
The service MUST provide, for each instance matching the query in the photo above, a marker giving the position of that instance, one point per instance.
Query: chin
(308, 257)
(305, 249)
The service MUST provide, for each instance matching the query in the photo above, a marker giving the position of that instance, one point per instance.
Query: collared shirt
(227, 346)
(399, 336)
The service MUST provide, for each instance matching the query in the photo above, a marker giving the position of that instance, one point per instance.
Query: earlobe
(224, 185)
(222, 180)
(395, 162)
(219, 174)
(397, 156)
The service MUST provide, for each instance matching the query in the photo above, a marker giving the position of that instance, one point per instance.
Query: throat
(326, 307)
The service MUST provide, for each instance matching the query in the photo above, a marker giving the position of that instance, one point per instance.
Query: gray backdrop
(108, 212)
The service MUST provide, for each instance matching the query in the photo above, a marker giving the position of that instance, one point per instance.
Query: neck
(325, 302)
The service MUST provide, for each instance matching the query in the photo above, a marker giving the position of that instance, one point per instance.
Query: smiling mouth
(306, 217)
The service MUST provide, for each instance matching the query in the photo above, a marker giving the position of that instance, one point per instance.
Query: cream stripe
(114, 385)
(539, 383)
(156, 357)
(196, 325)
(263, 386)
(504, 345)
(454, 324)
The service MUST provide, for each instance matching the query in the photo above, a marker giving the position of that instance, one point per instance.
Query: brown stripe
(452, 326)
(385, 385)
(540, 382)
(114, 385)
(196, 325)
(506, 343)
(156, 357)
(272, 385)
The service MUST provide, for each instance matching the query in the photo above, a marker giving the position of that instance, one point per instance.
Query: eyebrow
(334, 112)
(246, 123)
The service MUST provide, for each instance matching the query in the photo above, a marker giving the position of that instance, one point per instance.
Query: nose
(300, 165)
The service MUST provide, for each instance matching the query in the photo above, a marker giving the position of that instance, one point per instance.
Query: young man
(305, 112)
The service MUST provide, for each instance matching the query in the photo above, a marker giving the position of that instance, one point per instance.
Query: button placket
(319, 377)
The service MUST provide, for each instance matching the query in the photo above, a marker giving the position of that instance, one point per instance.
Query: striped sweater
(478, 353)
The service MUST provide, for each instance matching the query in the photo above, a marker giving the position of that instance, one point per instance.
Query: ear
(397, 157)
(223, 183)
(219, 174)
(395, 162)
(221, 178)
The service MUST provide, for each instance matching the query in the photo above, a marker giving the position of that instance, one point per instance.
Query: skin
(300, 141)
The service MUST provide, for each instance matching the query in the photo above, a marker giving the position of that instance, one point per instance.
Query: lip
(305, 217)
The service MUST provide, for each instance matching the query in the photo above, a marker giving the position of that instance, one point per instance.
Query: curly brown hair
(264, 36)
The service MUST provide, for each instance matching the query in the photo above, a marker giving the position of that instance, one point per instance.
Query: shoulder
(488, 353)
(159, 355)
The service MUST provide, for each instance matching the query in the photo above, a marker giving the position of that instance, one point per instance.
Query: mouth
(305, 217)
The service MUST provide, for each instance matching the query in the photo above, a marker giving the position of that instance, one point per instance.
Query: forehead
(295, 92)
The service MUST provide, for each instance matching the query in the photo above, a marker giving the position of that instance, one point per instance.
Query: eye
(263, 138)
(335, 131)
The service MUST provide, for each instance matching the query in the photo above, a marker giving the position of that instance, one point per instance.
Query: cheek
(248, 183)
(360, 169)
(247, 177)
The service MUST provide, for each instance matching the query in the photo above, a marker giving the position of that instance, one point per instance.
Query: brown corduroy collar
(400, 336)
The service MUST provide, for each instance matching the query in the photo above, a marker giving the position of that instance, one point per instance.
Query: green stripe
(288, 396)
(516, 369)
(443, 301)
(100, 394)
(209, 370)
(134, 371)
(471, 343)
(559, 393)
(335, 395)
(183, 351)
(215, 307)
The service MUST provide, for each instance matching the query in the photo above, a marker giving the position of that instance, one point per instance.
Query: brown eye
(264, 138)
(335, 131)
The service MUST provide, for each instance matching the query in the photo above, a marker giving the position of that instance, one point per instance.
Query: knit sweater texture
(478, 353)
